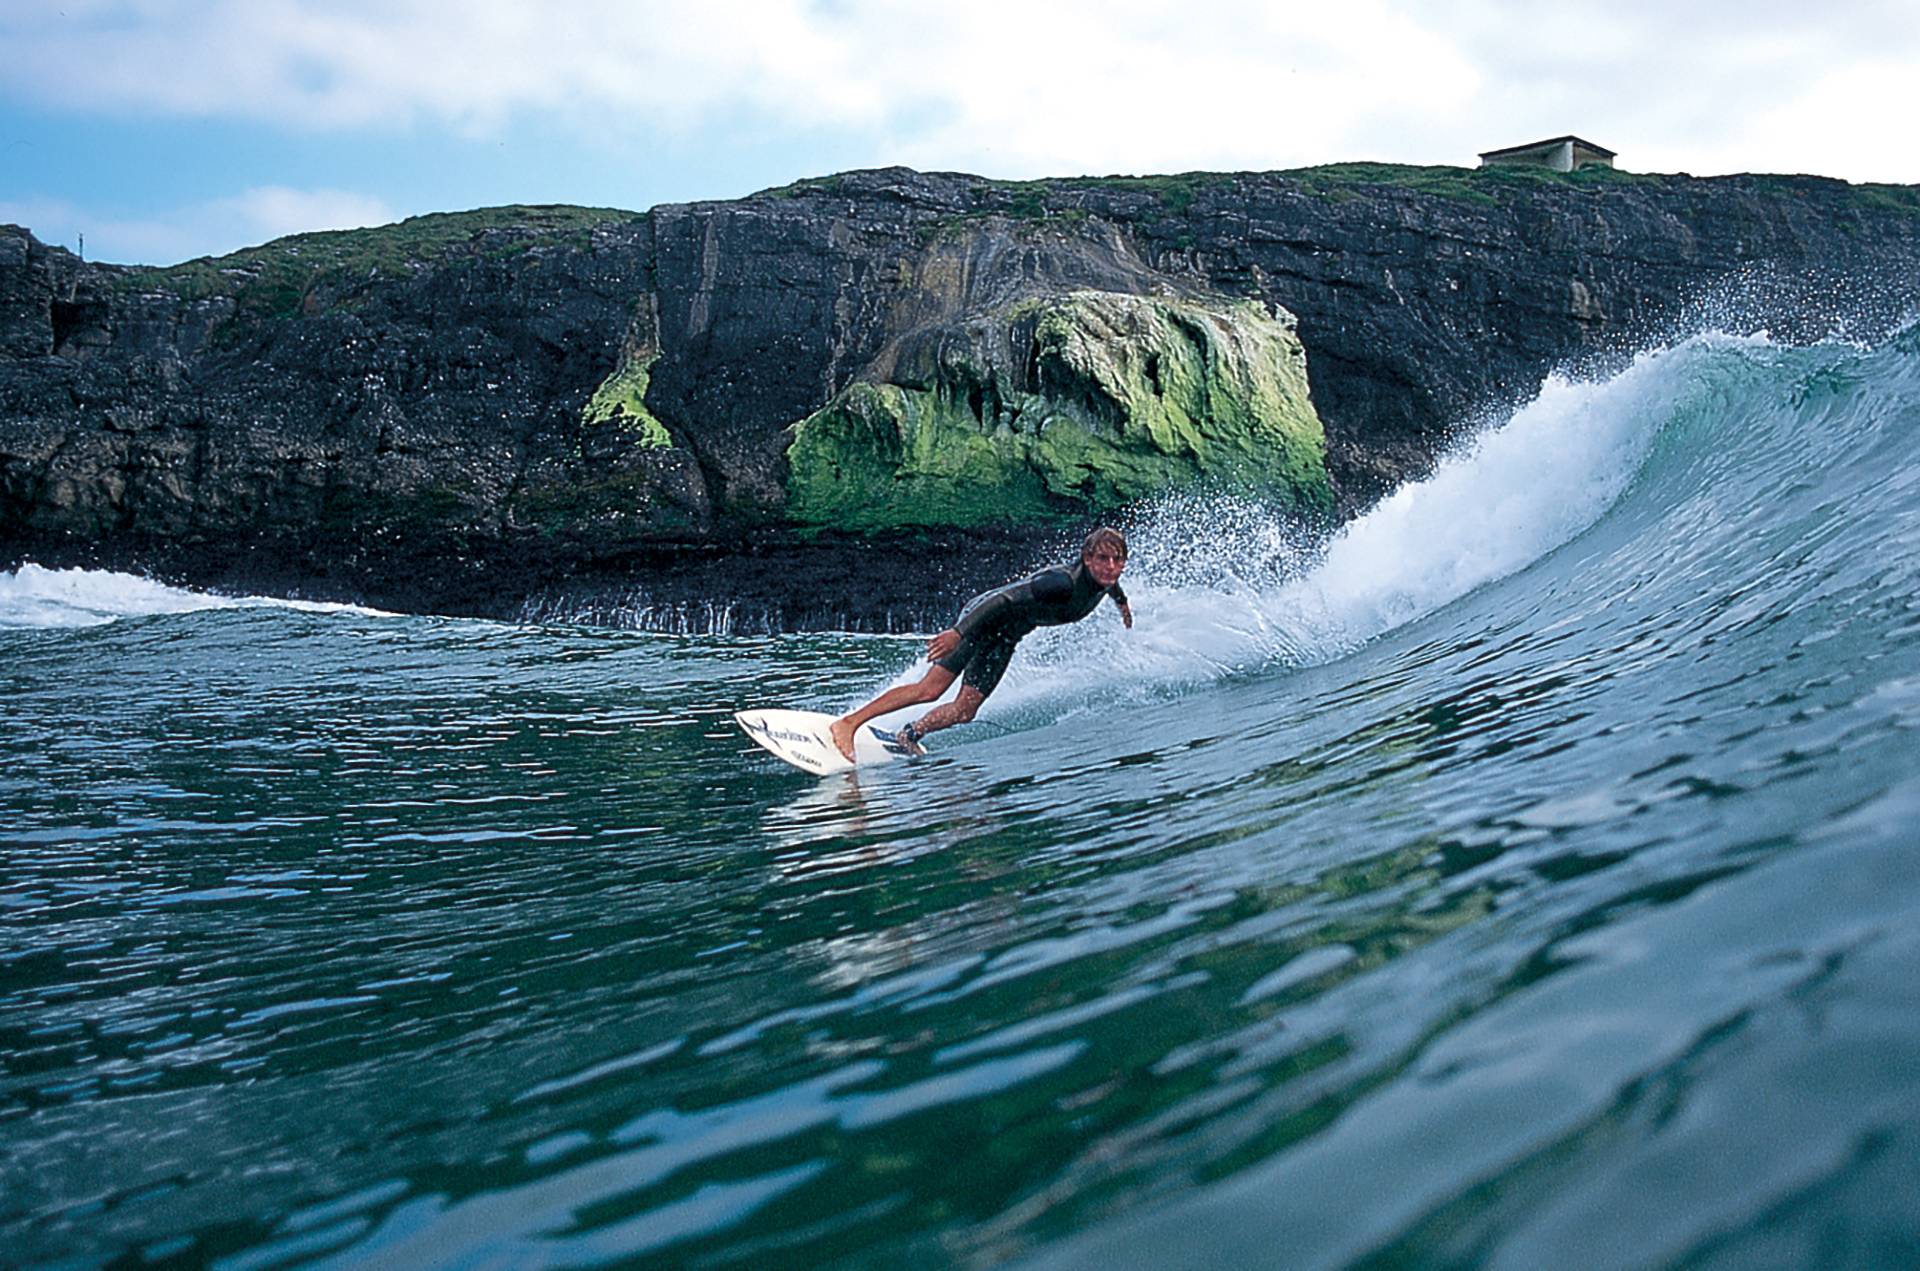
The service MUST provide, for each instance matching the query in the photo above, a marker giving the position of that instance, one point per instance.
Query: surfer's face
(1104, 565)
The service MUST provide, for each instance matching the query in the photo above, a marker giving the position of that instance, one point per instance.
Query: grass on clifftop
(1176, 192)
(1063, 199)
(1892, 198)
(272, 279)
(1472, 185)
(1035, 200)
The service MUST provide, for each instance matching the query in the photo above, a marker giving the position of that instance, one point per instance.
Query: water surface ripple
(1525, 881)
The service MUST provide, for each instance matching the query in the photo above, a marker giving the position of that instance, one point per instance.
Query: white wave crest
(33, 596)
(1220, 587)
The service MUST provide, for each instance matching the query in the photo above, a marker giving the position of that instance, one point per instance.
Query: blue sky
(166, 129)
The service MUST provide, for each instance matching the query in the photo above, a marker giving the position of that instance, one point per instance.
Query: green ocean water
(1527, 878)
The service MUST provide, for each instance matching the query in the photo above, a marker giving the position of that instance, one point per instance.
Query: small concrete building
(1562, 154)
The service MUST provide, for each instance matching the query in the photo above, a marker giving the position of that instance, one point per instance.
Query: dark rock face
(398, 414)
(378, 424)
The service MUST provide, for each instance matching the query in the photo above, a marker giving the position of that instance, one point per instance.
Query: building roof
(1550, 141)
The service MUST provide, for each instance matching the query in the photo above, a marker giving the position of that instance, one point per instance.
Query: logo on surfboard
(777, 734)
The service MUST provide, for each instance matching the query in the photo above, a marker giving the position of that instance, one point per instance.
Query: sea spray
(33, 596)
(1223, 588)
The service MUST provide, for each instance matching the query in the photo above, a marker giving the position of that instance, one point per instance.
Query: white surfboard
(801, 738)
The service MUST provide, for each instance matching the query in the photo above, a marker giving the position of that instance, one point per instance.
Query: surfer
(981, 641)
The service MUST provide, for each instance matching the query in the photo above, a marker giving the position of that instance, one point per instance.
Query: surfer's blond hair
(1105, 536)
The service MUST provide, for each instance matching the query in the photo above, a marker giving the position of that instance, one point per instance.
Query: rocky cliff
(787, 402)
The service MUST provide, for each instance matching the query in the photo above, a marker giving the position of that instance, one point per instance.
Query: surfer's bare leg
(927, 688)
(960, 710)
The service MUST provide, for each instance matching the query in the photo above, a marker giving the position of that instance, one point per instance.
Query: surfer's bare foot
(842, 733)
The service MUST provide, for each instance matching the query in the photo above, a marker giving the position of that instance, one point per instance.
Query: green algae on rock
(1117, 398)
(621, 400)
(627, 480)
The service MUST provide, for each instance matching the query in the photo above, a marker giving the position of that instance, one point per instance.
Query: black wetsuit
(994, 622)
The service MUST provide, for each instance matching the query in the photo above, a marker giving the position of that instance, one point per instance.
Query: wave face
(1526, 872)
(1242, 594)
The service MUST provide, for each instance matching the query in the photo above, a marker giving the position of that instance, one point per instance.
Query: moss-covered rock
(621, 402)
(1067, 406)
(627, 479)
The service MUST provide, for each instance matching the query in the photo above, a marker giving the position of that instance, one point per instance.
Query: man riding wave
(981, 641)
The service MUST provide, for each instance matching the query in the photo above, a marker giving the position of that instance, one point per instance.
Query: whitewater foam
(33, 596)
(1223, 588)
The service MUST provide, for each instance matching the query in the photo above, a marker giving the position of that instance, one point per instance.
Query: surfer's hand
(1126, 616)
(941, 645)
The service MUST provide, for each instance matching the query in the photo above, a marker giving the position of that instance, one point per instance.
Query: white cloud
(1029, 89)
(466, 63)
(1816, 130)
(1682, 86)
(1039, 85)
(202, 229)
(272, 211)
(1019, 87)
